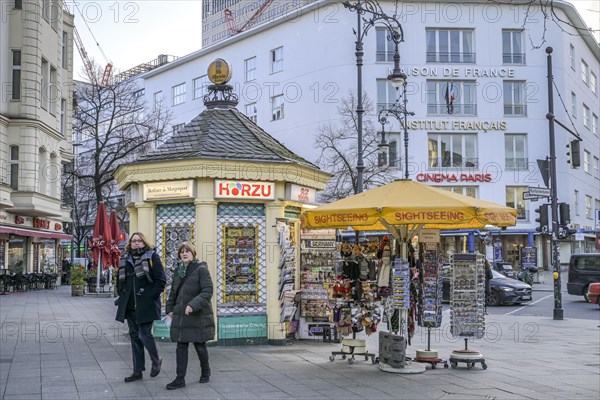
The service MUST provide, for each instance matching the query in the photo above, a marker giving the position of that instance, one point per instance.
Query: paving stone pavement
(54, 346)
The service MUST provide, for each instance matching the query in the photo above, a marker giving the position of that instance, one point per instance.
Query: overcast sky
(134, 32)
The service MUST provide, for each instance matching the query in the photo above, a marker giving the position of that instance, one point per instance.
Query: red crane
(231, 21)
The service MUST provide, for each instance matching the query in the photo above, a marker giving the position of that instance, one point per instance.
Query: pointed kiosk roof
(223, 132)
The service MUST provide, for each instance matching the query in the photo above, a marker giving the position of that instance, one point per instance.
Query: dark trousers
(141, 336)
(181, 357)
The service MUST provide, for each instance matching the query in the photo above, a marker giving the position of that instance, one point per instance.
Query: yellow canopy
(404, 202)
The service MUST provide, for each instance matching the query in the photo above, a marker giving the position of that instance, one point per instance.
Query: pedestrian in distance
(488, 276)
(190, 307)
(141, 281)
(66, 270)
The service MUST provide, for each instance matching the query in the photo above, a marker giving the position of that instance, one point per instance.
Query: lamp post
(368, 13)
(397, 79)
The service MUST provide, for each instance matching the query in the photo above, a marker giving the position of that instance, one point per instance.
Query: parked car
(505, 268)
(503, 290)
(593, 293)
(584, 269)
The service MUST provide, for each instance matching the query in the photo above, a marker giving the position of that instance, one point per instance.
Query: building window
(515, 151)
(574, 104)
(14, 167)
(386, 94)
(277, 60)
(18, 4)
(470, 191)
(512, 47)
(572, 56)
(277, 107)
(514, 98)
(576, 201)
(250, 69)
(596, 168)
(594, 83)
(16, 75)
(200, 86)
(178, 127)
(46, 10)
(594, 124)
(585, 72)
(393, 153)
(586, 161)
(158, 101)
(64, 58)
(178, 94)
(586, 116)
(514, 199)
(139, 93)
(53, 91)
(44, 88)
(54, 14)
(450, 46)
(456, 98)
(588, 206)
(452, 150)
(63, 119)
(251, 112)
(385, 45)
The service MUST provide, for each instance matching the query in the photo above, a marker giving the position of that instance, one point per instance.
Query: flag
(450, 95)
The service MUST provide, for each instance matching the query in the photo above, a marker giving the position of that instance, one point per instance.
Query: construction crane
(106, 75)
(231, 21)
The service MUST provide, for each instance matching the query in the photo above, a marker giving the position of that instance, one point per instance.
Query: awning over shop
(35, 233)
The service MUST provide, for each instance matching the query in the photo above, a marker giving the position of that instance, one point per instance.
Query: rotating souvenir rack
(467, 306)
(287, 267)
(430, 302)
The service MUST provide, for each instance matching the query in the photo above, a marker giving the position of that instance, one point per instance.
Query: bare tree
(337, 144)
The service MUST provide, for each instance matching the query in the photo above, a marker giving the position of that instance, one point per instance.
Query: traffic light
(564, 219)
(574, 154)
(543, 218)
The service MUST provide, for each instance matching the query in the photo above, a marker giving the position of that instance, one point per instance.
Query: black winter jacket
(144, 295)
(196, 292)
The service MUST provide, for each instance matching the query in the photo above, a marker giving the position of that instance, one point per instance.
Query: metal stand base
(430, 357)
(470, 357)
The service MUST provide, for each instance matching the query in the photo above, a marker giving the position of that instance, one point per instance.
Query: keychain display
(430, 307)
(467, 304)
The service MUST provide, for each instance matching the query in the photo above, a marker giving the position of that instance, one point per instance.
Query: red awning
(35, 233)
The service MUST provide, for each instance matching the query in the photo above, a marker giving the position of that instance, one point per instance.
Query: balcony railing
(513, 58)
(457, 162)
(516, 163)
(457, 109)
(515, 109)
(450, 57)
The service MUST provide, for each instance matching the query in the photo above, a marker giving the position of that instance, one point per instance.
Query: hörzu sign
(169, 190)
(244, 190)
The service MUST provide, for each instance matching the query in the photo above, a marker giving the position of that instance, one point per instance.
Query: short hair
(188, 246)
(147, 243)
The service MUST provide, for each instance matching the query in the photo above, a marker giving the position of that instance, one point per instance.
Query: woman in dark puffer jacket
(190, 307)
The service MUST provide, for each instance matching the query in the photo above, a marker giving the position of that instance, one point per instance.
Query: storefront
(30, 244)
(223, 183)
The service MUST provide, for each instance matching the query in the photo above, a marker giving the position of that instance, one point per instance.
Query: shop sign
(429, 235)
(244, 190)
(19, 220)
(169, 190)
(41, 223)
(243, 327)
(301, 194)
(3, 216)
(438, 178)
(455, 125)
(317, 329)
(320, 244)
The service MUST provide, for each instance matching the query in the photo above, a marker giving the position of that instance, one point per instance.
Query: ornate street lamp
(369, 13)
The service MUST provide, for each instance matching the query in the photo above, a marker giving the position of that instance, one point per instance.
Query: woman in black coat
(141, 282)
(189, 305)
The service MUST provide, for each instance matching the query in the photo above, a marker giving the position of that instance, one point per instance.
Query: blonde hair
(188, 246)
(147, 243)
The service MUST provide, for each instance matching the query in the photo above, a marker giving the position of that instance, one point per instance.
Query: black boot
(205, 377)
(136, 376)
(178, 383)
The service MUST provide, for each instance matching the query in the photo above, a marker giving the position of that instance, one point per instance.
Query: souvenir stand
(402, 208)
(430, 299)
(287, 278)
(355, 300)
(467, 306)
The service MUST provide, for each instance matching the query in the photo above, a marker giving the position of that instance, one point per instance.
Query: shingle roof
(223, 133)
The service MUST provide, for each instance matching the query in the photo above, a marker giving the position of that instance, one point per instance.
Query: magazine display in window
(240, 264)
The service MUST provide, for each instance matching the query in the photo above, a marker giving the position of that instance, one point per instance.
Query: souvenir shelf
(318, 264)
(287, 267)
(467, 305)
(241, 265)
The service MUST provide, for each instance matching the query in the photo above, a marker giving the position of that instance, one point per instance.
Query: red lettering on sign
(266, 190)
(223, 189)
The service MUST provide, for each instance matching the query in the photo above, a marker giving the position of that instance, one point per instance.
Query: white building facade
(292, 73)
(36, 68)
